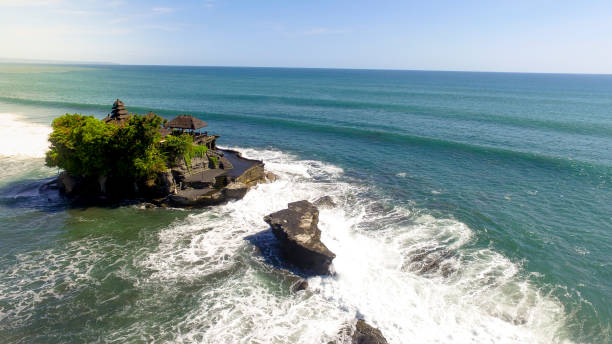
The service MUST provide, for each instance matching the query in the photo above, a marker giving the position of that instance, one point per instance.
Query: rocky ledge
(297, 230)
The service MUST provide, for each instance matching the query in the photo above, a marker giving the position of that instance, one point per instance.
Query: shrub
(194, 150)
(199, 151)
(176, 146)
(214, 160)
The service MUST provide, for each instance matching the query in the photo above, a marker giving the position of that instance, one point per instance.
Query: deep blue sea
(473, 207)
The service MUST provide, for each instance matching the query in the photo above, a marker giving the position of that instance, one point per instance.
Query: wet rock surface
(366, 334)
(325, 201)
(297, 230)
(271, 177)
(235, 190)
(301, 284)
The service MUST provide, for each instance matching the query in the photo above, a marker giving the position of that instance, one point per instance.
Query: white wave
(412, 275)
(20, 138)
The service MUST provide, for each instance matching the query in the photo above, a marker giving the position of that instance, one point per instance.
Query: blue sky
(518, 36)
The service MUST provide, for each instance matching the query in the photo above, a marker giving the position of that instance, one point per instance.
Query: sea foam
(414, 276)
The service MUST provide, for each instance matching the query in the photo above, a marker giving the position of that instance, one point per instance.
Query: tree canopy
(86, 146)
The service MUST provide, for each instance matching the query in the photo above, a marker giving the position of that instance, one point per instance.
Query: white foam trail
(410, 274)
(19, 138)
(43, 275)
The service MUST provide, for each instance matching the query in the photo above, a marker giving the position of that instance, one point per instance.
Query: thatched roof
(186, 122)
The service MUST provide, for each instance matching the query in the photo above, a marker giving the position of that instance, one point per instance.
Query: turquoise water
(474, 206)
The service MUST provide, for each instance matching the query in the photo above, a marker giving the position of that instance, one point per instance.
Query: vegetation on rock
(214, 160)
(88, 147)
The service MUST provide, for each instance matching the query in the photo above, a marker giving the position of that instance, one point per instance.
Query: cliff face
(197, 183)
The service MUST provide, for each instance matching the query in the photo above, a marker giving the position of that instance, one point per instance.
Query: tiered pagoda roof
(118, 114)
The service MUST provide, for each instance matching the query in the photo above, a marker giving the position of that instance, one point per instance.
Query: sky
(506, 36)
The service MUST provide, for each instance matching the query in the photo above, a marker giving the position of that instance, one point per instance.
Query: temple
(118, 114)
(178, 125)
(192, 125)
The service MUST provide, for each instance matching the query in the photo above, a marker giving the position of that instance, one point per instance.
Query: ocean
(472, 207)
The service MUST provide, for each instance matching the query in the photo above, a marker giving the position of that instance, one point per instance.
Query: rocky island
(129, 156)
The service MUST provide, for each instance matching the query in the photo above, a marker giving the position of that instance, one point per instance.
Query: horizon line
(103, 63)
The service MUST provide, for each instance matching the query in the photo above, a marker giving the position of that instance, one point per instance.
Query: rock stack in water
(296, 228)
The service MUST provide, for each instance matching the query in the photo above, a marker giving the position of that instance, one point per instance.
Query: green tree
(79, 145)
(134, 148)
(86, 146)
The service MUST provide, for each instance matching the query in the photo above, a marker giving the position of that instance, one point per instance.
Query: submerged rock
(325, 201)
(271, 177)
(366, 334)
(296, 228)
(301, 284)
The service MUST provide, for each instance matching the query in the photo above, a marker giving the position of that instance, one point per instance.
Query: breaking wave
(19, 138)
(414, 276)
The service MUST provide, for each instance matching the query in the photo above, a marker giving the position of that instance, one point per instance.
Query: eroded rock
(297, 229)
(366, 334)
(235, 190)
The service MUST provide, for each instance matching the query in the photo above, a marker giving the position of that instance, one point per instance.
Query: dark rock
(366, 334)
(67, 183)
(325, 201)
(165, 183)
(296, 228)
(431, 259)
(180, 186)
(78, 188)
(301, 284)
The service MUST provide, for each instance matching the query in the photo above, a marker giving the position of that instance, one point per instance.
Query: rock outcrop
(325, 201)
(297, 229)
(68, 184)
(366, 334)
(181, 186)
(235, 190)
